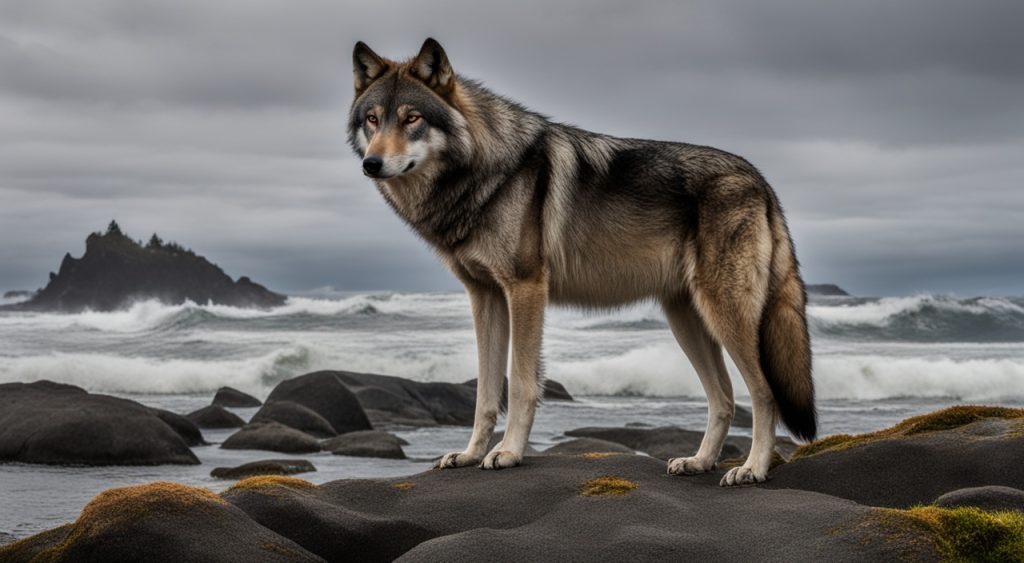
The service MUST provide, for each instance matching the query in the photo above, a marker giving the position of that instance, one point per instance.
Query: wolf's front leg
(526, 302)
(490, 317)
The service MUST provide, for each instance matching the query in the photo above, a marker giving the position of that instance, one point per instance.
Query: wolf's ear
(432, 67)
(367, 66)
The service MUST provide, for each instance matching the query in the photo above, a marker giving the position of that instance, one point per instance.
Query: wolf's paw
(455, 459)
(690, 465)
(500, 460)
(743, 476)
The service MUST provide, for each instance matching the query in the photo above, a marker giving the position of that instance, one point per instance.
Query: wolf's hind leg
(706, 356)
(490, 317)
(526, 300)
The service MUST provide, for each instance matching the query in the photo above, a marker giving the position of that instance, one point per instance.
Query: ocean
(876, 361)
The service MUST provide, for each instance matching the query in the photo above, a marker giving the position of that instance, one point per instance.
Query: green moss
(964, 534)
(608, 485)
(945, 419)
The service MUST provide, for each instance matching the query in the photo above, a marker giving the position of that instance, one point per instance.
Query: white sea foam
(881, 311)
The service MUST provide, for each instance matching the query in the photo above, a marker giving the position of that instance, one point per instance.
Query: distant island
(116, 271)
(827, 289)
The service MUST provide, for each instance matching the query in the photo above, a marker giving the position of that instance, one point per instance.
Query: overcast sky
(892, 131)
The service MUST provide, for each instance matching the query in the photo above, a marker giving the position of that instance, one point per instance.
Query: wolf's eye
(412, 118)
(372, 119)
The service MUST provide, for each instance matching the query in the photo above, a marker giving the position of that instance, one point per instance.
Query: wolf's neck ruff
(525, 211)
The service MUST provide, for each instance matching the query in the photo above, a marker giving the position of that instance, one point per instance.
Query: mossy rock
(964, 534)
(945, 419)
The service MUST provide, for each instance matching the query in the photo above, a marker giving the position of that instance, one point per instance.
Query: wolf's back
(784, 342)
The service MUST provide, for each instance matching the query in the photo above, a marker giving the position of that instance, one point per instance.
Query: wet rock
(216, 416)
(366, 443)
(663, 443)
(325, 393)
(295, 416)
(271, 436)
(233, 398)
(264, 467)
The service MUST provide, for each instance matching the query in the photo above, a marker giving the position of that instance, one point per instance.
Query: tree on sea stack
(155, 241)
(114, 229)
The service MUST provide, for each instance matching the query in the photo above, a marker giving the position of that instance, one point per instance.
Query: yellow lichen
(268, 483)
(598, 455)
(964, 534)
(404, 486)
(609, 485)
(945, 419)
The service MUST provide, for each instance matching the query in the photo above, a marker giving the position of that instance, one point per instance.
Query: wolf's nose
(372, 164)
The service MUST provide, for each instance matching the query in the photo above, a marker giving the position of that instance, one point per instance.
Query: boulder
(663, 443)
(744, 417)
(233, 398)
(271, 436)
(553, 390)
(915, 461)
(325, 393)
(216, 416)
(585, 446)
(992, 497)
(52, 423)
(264, 467)
(366, 443)
(157, 523)
(185, 428)
(392, 400)
(294, 415)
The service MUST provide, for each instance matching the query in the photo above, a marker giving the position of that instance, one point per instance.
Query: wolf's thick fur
(525, 212)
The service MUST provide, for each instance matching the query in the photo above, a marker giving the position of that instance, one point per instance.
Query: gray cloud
(892, 131)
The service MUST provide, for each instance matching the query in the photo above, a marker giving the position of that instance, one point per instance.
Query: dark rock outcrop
(663, 443)
(915, 461)
(215, 416)
(51, 423)
(827, 290)
(294, 415)
(325, 393)
(744, 418)
(586, 446)
(264, 467)
(188, 430)
(116, 271)
(552, 508)
(233, 398)
(271, 436)
(366, 443)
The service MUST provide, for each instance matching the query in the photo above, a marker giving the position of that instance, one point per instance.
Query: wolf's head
(402, 117)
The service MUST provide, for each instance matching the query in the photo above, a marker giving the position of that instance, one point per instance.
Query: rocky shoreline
(944, 486)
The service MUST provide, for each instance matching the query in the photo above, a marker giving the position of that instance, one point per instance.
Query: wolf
(526, 211)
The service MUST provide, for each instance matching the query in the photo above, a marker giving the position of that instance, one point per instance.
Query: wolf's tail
(784, 344)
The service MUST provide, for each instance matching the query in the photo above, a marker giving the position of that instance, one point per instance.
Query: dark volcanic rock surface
(264, 467)
(325, 393)
(366, 443)
(663, 443)
(215, 416)
(544, 515)
(116, 271)
(905, 471)
(45, 422)
(271, 436)
(294, 415)
(233, 398)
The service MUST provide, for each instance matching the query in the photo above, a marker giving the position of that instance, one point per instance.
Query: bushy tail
(784, 344)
